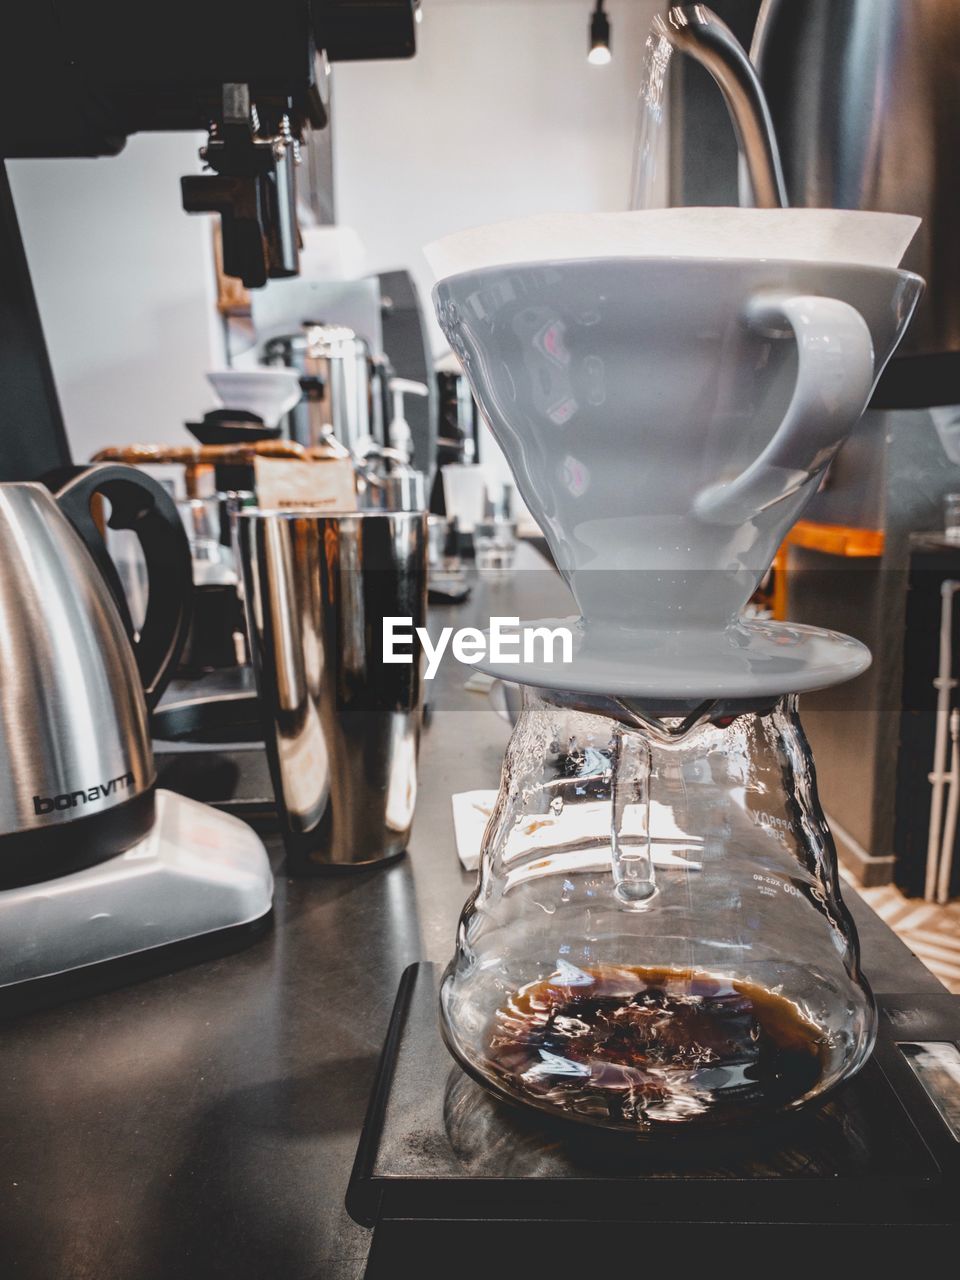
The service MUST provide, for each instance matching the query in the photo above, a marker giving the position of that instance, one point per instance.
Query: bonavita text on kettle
(70, 799)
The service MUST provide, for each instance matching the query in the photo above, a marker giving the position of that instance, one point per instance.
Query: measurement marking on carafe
(780, 828)
(770, 885)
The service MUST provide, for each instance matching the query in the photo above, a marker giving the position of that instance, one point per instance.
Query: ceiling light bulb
(599, 54)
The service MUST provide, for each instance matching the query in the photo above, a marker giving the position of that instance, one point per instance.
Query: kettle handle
(139, 503)
(835, 376)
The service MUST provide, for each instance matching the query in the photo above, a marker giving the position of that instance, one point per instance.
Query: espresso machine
(352, 342)
(342, 386)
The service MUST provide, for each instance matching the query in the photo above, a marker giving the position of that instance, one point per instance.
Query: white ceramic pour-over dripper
(666, 421)
(269, 393)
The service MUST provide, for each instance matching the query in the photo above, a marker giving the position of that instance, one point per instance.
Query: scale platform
(457, 1183)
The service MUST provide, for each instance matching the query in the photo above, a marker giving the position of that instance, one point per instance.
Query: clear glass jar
(657, 938)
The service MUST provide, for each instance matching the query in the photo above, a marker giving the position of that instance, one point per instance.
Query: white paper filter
(804, 235)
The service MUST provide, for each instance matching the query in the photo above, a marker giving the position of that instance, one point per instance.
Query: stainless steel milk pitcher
(341, 726)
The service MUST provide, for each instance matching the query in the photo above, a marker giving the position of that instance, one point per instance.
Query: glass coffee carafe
(657, 941)
(657, 934)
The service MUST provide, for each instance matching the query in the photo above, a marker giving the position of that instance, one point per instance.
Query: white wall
(125, 285)
(499, 115)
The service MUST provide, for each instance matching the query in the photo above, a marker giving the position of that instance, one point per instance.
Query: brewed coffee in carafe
(657, 934)
(657, 941)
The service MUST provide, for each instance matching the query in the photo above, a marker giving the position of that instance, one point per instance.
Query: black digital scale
(456, 1183)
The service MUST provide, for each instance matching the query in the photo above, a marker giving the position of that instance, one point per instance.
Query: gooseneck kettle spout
(696, 30)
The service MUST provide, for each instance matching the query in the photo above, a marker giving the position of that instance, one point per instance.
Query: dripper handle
(835, 376)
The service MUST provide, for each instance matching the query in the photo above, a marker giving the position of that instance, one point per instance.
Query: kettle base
(198, 885)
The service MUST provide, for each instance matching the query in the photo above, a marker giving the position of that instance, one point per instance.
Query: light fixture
(599, 54)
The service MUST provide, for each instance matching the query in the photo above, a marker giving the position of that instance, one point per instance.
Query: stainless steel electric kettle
(76, 767)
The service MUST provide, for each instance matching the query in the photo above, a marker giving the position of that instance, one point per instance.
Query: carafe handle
(139, 503)
(835, 375)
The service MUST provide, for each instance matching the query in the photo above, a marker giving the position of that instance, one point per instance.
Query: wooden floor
(931, 932)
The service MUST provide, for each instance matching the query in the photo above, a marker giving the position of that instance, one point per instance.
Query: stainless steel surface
(865, 101)
(196, 872)
(341, 726)
(697, 31)
(73, 722)
(341, 399)
(405, 490)
(387, 482)
(284, 228)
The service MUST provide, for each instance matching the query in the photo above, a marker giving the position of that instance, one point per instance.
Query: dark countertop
(204, 1124)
